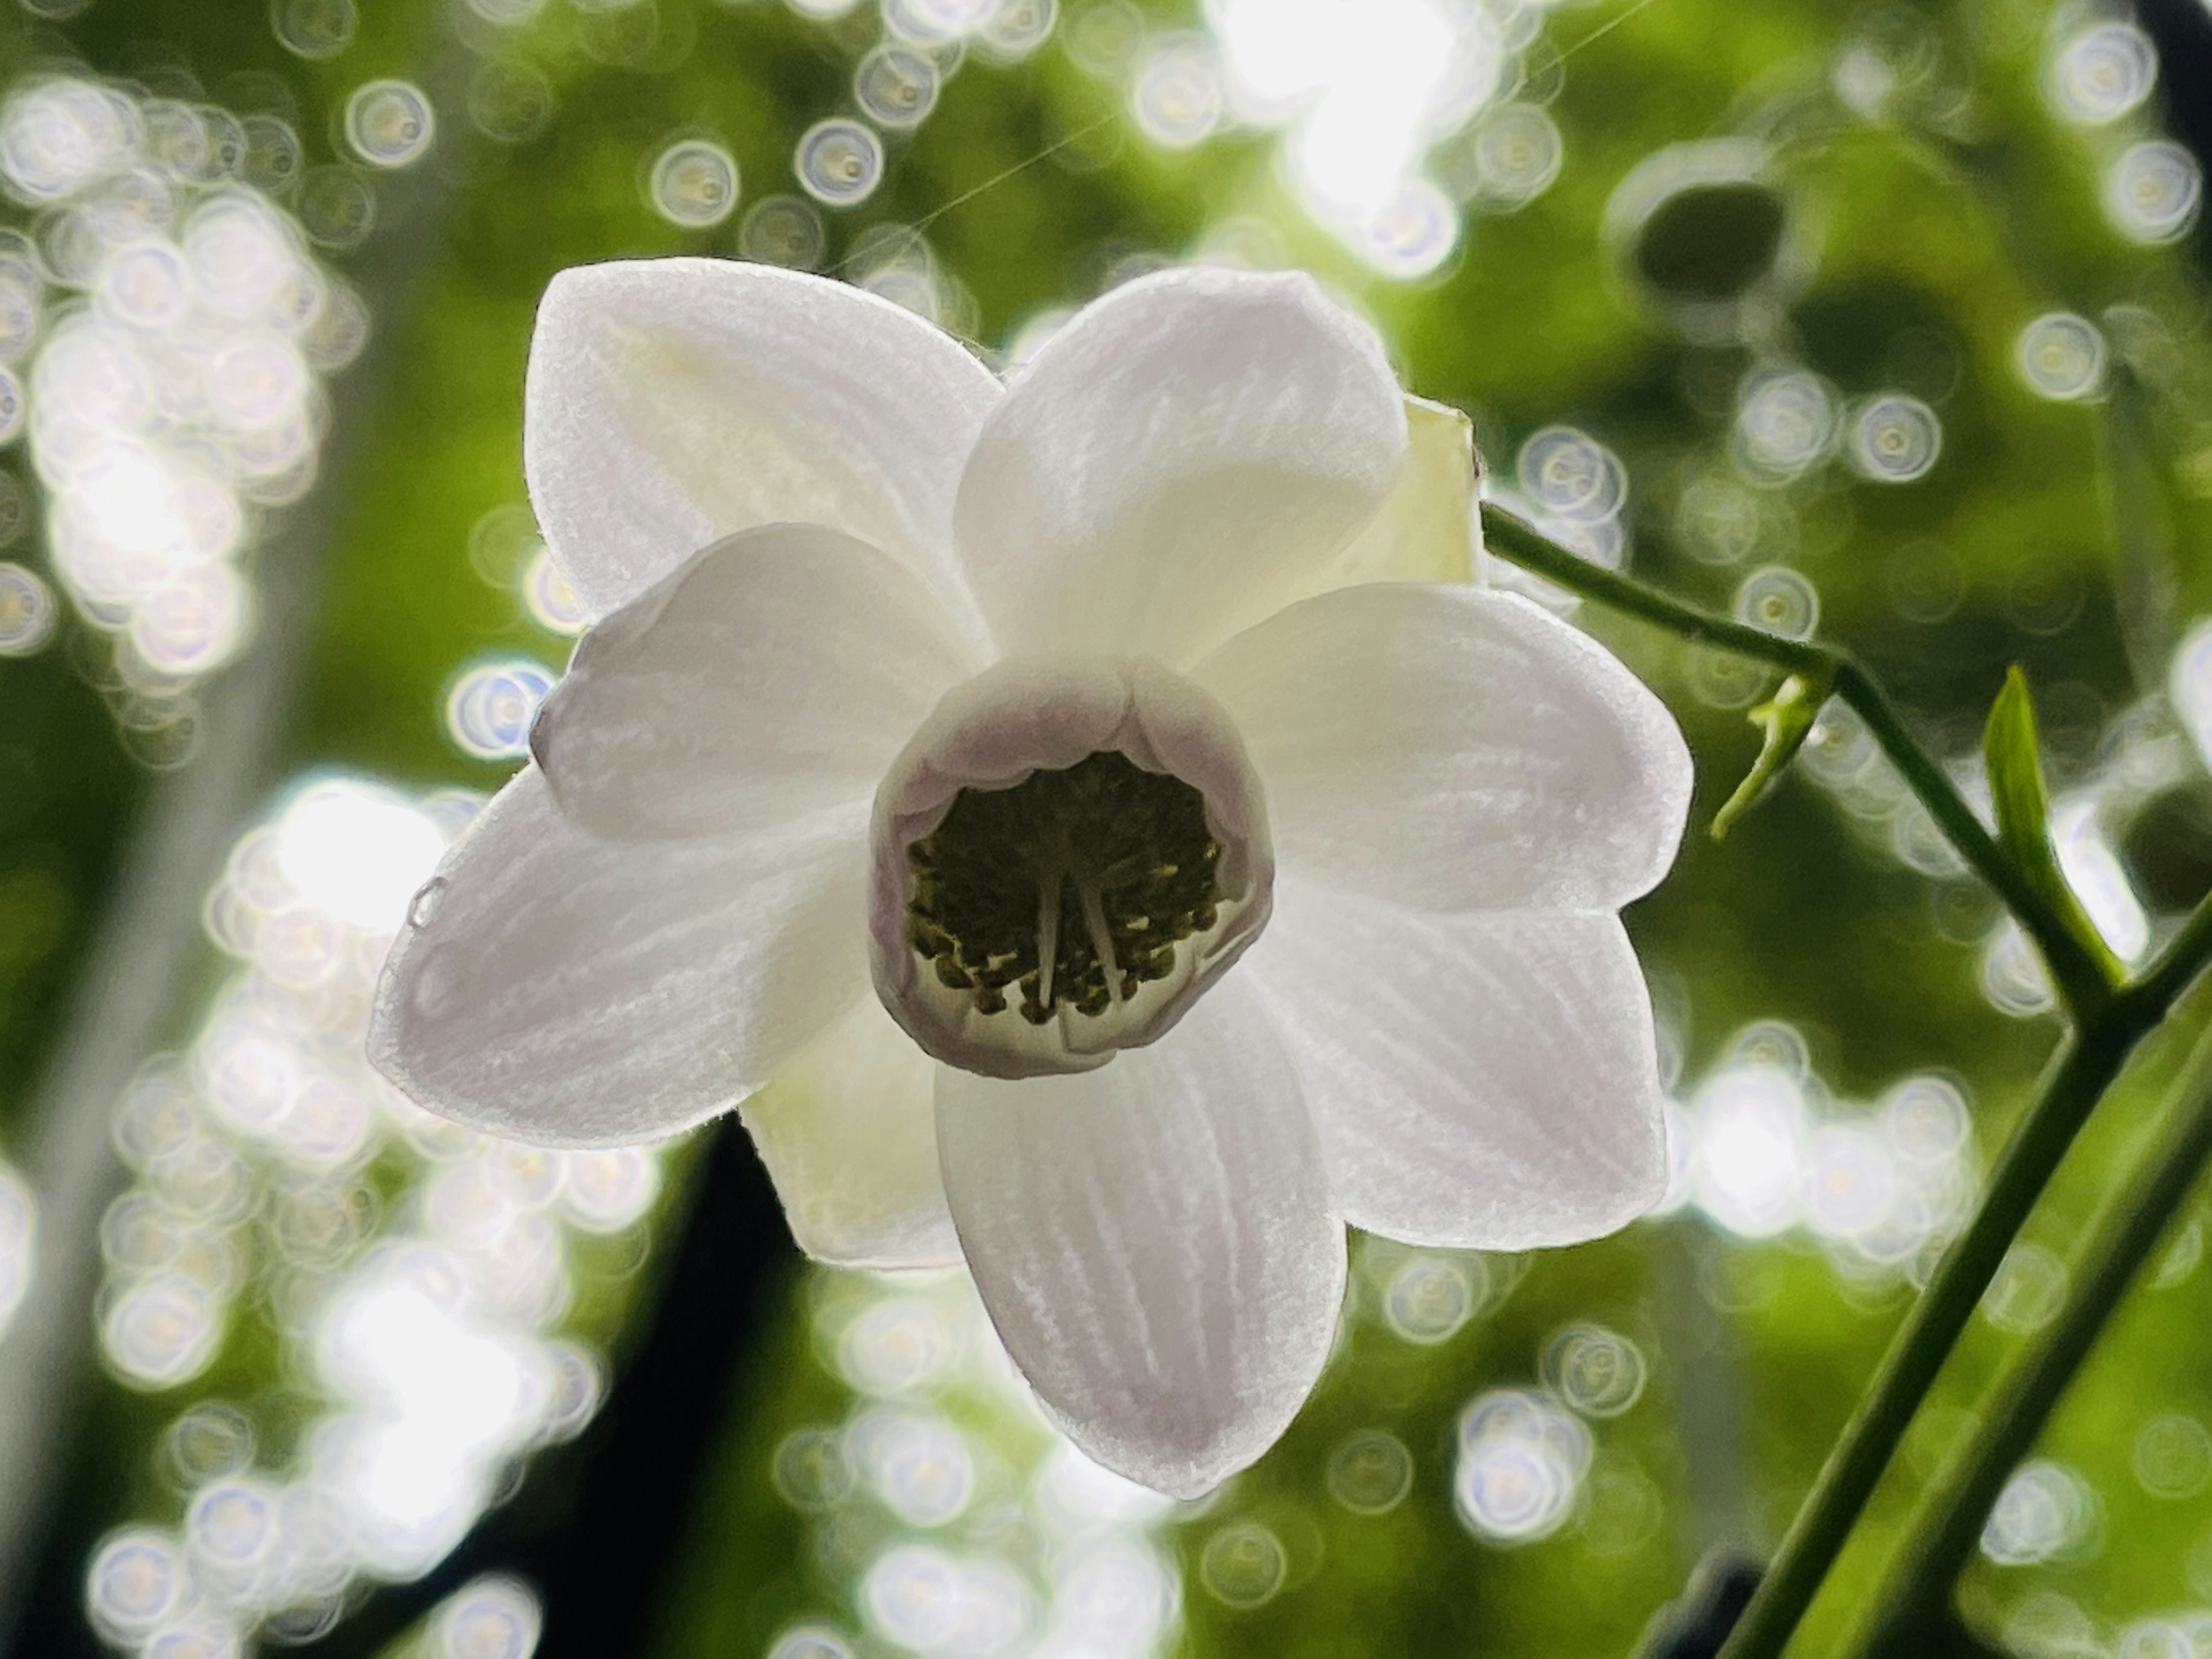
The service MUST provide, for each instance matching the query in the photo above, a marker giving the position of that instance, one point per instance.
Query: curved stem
(2123, 1239)
(1527, 546)
(2080, 977)
(2109, 1020)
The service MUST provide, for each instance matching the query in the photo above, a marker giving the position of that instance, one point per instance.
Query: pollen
(1070, 887)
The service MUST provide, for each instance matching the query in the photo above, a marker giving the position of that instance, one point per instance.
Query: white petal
(1486, 1080)
(1426, 531)
(1455, 749)
(1186, 455)
(772, 677)
(1153, 1241)
(575, 992)
(848, 1130)
(672, 402)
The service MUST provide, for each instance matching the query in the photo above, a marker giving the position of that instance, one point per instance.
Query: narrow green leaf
(1786, 718)
(2015, 762)
(2023, 801)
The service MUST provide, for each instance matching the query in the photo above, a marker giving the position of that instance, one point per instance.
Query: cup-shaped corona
(1065, 855)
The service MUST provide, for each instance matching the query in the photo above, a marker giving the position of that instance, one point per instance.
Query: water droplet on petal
(425, 902)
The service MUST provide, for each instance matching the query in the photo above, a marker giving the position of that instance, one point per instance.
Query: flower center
(1073, 886)
(1064, 856)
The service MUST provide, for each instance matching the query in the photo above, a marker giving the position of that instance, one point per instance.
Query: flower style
(1090, 827)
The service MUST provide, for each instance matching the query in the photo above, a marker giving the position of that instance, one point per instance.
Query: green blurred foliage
(1931, 243)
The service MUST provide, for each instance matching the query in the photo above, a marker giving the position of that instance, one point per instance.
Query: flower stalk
(2081, 979)
(2076, 1081)
(2109, 1017)
(2125, 1237)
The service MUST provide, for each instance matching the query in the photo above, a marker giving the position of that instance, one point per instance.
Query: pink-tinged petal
(767, 680)
(575, 992)
(1153, 1241)
(673, 402)
(1455, 749)
(1187, 455)
(1486, 1080)
(848, 1128)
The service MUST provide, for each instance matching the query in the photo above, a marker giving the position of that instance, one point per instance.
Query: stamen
(989, 914)
(1049, 933)
(1101, 938)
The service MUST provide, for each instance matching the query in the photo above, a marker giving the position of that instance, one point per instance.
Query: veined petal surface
(1186, 455)
(673, 402)
(1153, 1241)
(1486, 1080)
(1455, 749)
(769, 679)
(575, 992)
(848, 1128)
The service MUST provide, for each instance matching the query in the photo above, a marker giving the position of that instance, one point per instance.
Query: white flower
(1022, 713)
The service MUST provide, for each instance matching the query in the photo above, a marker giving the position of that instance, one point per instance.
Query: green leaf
(2015, 762)
(1786, 718)
(2023, 811)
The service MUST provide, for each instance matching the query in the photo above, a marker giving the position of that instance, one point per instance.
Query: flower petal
(1184, 456)
(671, 402)
(773, 676)
(575, 992)
(1426, 530)
(848, 1130)
(1153, 1241)
(1455, 749)
(1486, 1080)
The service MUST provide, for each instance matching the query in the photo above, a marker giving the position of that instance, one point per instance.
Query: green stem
(2109, 1020)
(2081, 979)
(2123, 1239)
(2075, 1083)
(1527, 546)
(2161, 985)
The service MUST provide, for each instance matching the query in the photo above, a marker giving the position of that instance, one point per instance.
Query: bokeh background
(1885, 319)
